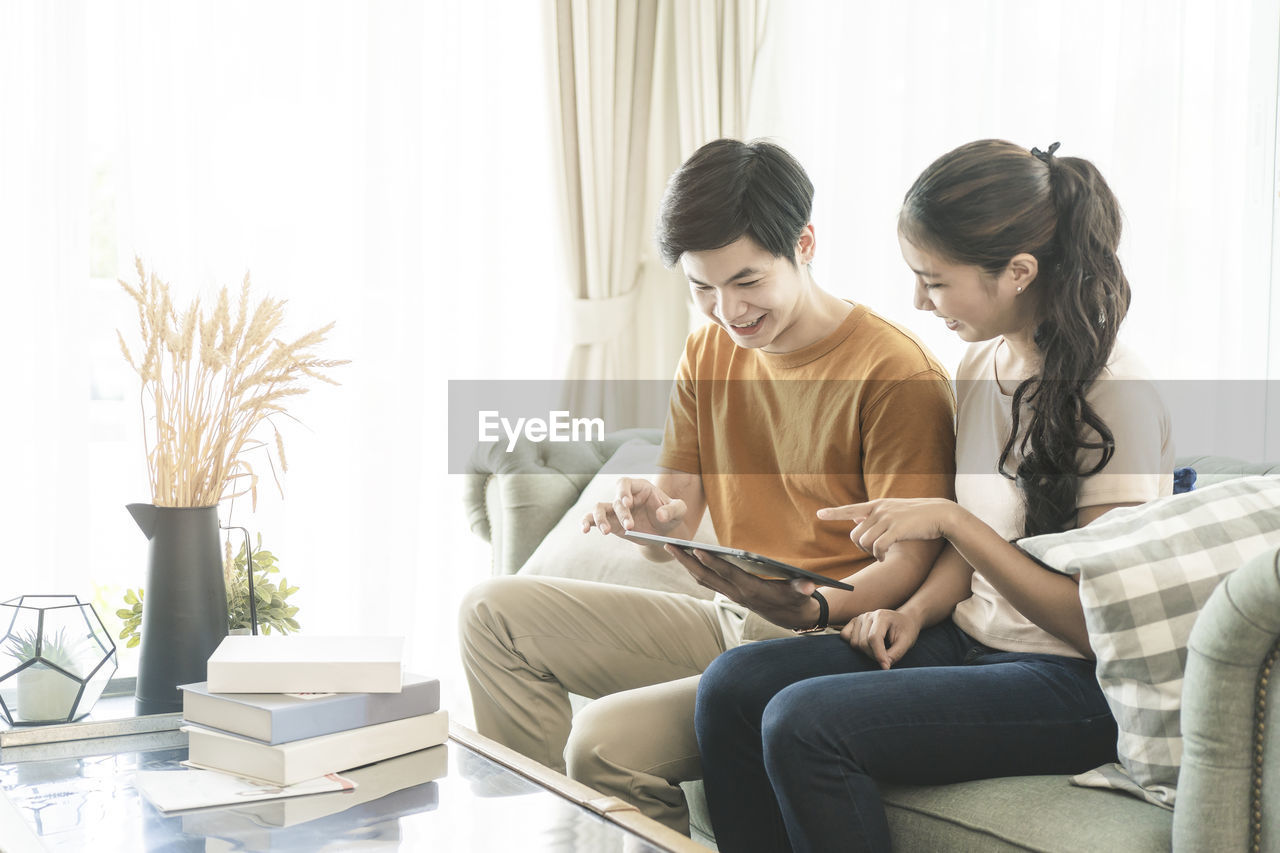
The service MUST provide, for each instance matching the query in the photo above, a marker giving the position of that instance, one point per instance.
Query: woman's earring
(1019, 289)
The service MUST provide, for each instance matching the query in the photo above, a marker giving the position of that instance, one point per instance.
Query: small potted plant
(44, 693)
(271, 605)
(271, 599)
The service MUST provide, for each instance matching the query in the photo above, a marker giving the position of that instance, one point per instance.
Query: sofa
(518, 501)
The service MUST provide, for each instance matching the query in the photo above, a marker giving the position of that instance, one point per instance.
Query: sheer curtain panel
(384, 164)
(43, 268)
(1174, 101)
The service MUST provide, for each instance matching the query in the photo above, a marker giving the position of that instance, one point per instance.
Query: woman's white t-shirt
(1141, 469)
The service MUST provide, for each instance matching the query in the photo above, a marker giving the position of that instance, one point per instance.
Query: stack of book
(291, 708)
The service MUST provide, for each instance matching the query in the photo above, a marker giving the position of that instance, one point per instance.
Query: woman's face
(974, 304)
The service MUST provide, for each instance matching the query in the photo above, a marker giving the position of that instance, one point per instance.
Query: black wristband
(824, 613)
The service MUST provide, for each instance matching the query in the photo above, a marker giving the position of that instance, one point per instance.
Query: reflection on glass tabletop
(90, 803)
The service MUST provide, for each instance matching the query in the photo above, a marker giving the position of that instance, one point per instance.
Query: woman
(985, 671)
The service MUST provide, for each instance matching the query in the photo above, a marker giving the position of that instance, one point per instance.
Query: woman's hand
(881, 523)
(787, 603)
(883, 635)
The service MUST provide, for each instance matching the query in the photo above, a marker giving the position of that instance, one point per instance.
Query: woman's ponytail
(1088, 295)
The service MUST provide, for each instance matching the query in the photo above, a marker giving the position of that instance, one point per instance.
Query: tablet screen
(756, 564)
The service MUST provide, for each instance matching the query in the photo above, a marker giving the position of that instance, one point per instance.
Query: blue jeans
(795, 734)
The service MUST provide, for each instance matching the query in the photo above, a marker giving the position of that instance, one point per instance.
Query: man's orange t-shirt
(866, 412)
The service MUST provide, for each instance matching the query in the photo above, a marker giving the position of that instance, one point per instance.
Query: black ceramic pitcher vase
(184, 610)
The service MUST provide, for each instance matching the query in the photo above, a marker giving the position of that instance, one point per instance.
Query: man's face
(753, 295)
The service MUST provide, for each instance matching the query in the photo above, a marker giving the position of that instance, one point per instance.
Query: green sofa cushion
(1044, 813)
(1038, 813)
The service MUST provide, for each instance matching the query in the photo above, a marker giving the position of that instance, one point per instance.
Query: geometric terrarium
(56, 658)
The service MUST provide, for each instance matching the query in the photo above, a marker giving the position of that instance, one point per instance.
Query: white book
(288, 763)
(301, 663)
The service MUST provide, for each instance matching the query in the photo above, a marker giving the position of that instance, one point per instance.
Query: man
(789, 401)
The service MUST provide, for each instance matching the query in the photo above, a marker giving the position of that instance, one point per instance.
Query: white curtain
(640, 86)
(715, 45)
(709, 52)
(1174, 101)
(300, 166)
(386, 165)
(602, 59)
(44, 425)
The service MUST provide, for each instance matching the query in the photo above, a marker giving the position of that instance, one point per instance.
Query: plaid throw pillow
(1145, 572)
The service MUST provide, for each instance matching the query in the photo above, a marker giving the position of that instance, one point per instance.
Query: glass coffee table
(486, 797)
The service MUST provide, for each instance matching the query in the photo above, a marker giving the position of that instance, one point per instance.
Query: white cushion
(567, 552)
(1145, 573)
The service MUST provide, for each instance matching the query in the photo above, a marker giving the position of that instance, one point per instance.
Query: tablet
(761, 567)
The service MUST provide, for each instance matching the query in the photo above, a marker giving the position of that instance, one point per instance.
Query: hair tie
(1044, 156)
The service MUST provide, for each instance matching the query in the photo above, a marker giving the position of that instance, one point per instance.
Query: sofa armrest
(513, 499)
(1226, 708)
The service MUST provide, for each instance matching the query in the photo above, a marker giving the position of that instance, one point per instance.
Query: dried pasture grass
(209, 384)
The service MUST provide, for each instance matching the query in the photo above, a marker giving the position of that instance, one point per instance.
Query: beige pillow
(567, 552)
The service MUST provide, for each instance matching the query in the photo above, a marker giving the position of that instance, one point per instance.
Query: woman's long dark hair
(987, 201)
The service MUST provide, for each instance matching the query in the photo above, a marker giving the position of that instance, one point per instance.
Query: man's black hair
(729, 188)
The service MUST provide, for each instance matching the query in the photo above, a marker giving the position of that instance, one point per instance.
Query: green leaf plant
(132, 616)
(273, 608)
(274, 611)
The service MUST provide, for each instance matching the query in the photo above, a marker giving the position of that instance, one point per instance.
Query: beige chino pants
(527, 642)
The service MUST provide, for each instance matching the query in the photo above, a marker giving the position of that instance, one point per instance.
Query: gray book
(298, 760)
(273, 718)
